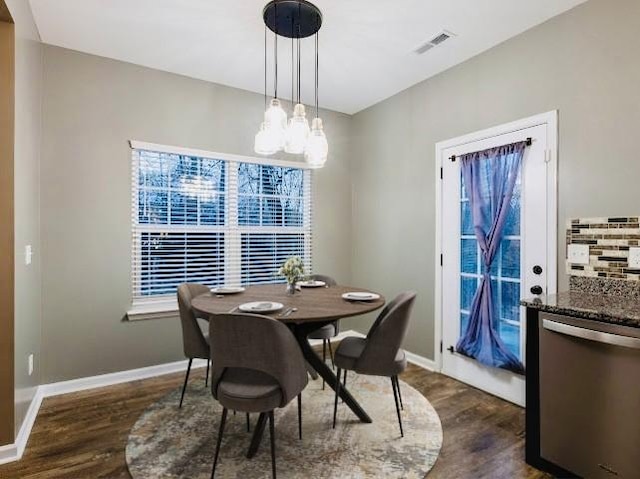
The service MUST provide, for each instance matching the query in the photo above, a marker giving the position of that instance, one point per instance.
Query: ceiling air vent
(441, 37)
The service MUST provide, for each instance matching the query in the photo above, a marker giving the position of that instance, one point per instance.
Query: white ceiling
(365, 45)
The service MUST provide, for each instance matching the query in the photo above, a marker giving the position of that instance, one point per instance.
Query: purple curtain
(489, 179)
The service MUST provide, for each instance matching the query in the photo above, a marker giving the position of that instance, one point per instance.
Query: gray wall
(28, 91)
(583, 63)
(374, 201)
(92, 107)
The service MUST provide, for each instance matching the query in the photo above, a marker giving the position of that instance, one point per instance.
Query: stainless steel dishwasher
(590, 396)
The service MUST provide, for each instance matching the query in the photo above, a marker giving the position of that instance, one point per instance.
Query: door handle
(591, 334)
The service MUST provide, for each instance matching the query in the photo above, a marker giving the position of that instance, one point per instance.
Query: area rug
(168, 442)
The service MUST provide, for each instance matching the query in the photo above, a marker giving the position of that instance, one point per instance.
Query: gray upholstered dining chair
(257, 367)
(194, 342)
(379, 354)
(327, 331)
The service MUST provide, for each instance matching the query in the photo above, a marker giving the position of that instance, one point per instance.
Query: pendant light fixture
(295, 19)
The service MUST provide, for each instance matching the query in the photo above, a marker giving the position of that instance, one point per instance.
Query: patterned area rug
(167, 442)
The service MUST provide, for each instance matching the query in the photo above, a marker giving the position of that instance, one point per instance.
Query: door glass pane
(464, 321)
(469, 254)
(468, 290)
(510, 256)
(510, 335)
(466, 225)
(510, 301)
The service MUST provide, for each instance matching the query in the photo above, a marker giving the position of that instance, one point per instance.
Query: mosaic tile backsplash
(609, 240)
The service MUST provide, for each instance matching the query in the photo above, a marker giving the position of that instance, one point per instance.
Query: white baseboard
(9, 453)
(13, 452)
(425, 363)
(103, 380)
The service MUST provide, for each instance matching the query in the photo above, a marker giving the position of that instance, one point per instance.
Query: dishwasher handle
(591, 335)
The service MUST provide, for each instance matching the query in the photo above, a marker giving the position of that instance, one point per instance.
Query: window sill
(153, 310)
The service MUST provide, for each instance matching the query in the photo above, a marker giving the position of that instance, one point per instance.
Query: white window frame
(164, 307)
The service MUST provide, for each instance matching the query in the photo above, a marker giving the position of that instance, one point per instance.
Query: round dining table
(303, 312)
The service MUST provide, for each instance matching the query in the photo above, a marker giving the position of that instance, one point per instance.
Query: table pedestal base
(301, 332)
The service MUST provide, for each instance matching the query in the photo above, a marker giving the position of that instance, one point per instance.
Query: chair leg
(186, 378)
(333, 365)
(335, 404)
(300, 416)
(206, 378)
(220, 433)
(324, 356)
(399, 392)
(344, 381)
(395, 396)
(248, 423)
(272, 434)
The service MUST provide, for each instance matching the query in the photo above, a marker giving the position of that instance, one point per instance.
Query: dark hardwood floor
(83, 435)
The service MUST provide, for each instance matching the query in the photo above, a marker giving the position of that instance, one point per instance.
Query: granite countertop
(599, 307)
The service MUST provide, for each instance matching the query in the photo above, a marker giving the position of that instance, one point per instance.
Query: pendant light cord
(298, 64)
(299, 33)
(317, 71)
(265, 67)
(292, 67)
(275, 47)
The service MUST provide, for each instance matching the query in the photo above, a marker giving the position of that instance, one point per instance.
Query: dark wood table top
(314, 304)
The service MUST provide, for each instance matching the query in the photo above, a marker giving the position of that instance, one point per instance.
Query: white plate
(312, 283)
(227, 290)
(360, 296)
(261, 307)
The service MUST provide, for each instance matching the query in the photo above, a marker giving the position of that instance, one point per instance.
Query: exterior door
(524, 265)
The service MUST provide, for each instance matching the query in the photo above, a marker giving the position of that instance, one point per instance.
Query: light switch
(578, 253)
(634, 258)
(28, 254)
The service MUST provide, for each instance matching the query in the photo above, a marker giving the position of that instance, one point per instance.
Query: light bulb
(297, 131)
(275, 120)
(275, 116)
(264, 142)
(317, 148)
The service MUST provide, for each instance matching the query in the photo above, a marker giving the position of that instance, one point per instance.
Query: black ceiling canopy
(292, 18)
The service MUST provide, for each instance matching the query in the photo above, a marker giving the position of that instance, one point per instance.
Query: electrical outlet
(28, 254)
(30, 364)
(578, 253)
(634, 258)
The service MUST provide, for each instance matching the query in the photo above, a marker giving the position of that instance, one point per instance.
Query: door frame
(550, 119)
(7, 233)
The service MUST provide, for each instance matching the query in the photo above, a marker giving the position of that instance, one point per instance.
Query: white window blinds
(214, 221)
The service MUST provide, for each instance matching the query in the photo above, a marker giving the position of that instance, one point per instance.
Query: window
(214, 220)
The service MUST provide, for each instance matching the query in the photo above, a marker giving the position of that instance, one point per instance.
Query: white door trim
(550, 119)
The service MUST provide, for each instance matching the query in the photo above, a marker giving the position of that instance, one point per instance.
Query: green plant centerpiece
(293, 271)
